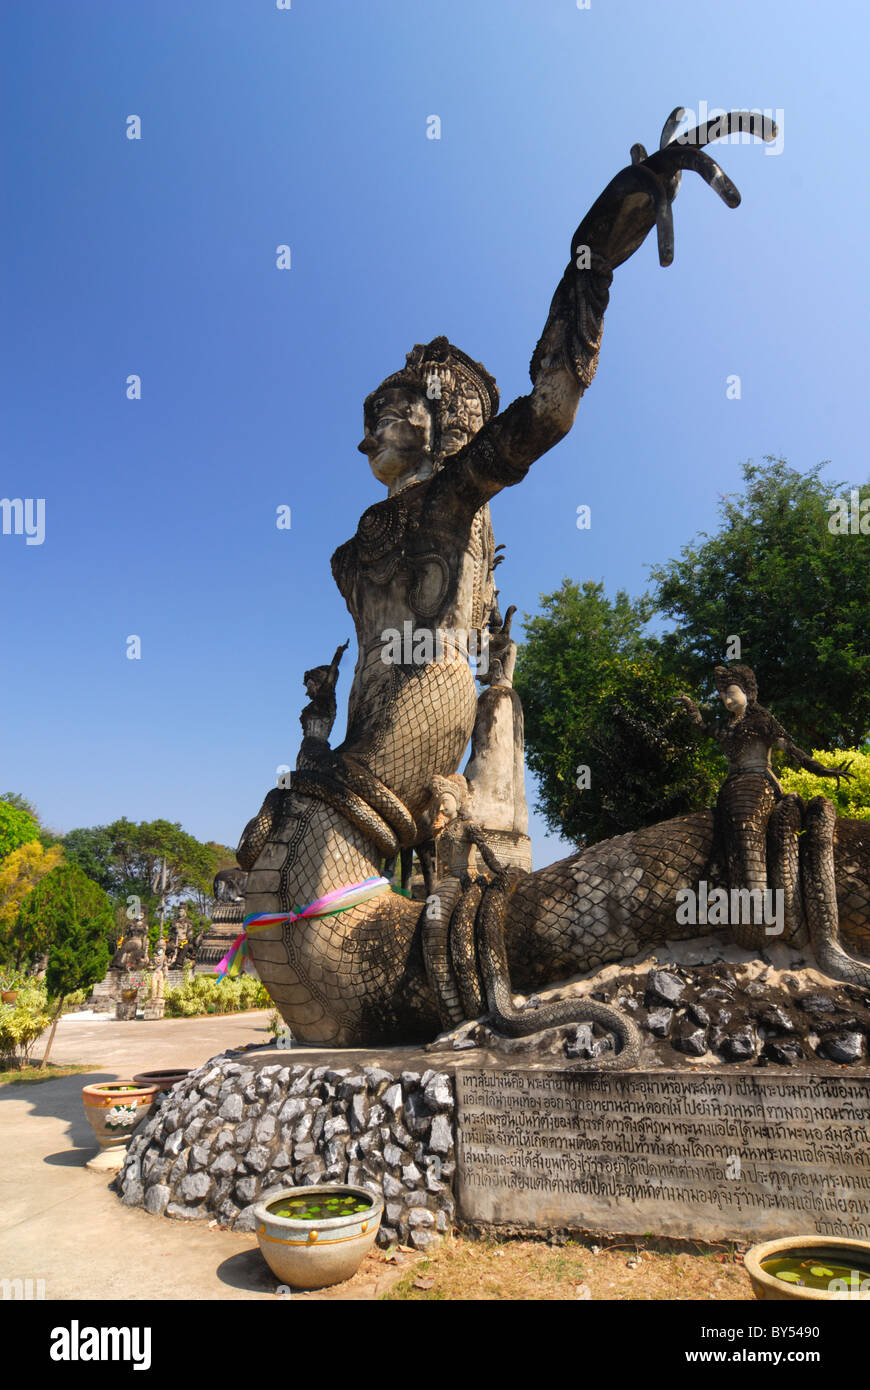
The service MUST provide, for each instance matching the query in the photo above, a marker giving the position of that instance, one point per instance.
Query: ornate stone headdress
(460, 393)
(744, 676)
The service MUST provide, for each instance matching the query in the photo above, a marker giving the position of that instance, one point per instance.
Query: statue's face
(399, 440)
(735, 700)
(448, 810)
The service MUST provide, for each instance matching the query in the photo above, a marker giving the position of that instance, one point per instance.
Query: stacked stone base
(232, 1131)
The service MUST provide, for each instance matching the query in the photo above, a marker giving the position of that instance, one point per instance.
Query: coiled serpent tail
(521, 1022)
(820, 895)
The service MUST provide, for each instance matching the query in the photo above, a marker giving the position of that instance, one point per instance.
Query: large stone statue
(421, 563)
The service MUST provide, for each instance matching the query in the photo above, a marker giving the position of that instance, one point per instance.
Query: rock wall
(232, 1130)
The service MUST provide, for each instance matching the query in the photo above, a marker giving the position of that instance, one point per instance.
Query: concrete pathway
(60, 1223)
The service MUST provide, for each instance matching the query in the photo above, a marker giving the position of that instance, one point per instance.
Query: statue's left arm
(809, 764)
(565, 359)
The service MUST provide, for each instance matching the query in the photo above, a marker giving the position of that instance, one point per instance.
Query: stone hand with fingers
(640, 196)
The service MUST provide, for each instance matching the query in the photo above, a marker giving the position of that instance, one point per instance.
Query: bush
(22, 1023)
(204, 994)
(852, 799)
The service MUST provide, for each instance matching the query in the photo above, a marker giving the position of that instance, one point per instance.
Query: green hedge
(204, 994)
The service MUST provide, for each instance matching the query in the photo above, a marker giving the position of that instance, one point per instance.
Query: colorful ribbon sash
(339, 900)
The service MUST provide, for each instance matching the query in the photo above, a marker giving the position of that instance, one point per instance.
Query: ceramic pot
(9, 996)
(129, 996)
(114, 1108)
(825, 1250)
(163, 1080)
(310, 1253)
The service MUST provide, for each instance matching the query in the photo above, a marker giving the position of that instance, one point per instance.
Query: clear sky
(307, 127)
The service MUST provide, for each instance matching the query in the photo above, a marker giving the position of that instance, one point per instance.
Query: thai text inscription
(704, 1155)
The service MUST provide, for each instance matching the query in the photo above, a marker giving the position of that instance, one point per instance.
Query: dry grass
(467, 1269)
(17, 1076)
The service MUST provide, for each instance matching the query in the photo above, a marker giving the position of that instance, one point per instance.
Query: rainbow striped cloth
(339, 900)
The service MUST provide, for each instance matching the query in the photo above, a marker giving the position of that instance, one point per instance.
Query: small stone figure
(495, 772)
(318, 716)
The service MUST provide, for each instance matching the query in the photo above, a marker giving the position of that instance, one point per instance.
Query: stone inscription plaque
(705, 1155)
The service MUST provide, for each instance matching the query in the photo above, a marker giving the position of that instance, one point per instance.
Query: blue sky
(307, 127)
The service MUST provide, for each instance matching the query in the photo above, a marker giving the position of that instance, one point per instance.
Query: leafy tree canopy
(595, 697)
(126, 859)
(20, 871)
(17, 827)
(75, 917)
(783, 576)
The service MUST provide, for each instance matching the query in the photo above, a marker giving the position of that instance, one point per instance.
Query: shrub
(22, 1023)
(204, 994)
(852, 799)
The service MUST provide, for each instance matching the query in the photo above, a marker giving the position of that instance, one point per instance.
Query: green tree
(17, 827)
(127, 860)
(595, 696)
(76, 917)
(795, 591)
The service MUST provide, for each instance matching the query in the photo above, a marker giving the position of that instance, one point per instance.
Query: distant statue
(132, 953)
(229, 885)
(180, 933)
(159, 970)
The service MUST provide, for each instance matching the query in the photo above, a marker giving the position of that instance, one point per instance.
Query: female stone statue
(751, 790)
(422, 560)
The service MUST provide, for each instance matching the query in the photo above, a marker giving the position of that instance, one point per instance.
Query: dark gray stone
(786, 1052)
(157, 1199)
(232, 1107)
(739, 1044)
(664, 988)
(377, 1078)
(438, 1093)
(691, 1039)
(441, 1136)
(195, 1187)
(257, 1158)
(264, 1131)
(659, 1022)
(843, 1047)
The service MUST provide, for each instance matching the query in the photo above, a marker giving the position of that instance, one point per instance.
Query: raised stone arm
(565, 359)
(694, 713)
